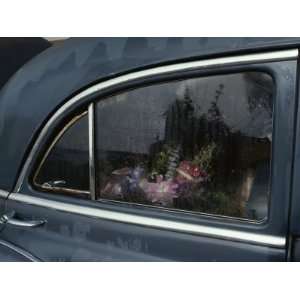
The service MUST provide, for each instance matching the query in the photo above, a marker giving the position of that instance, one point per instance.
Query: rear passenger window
(198, 145)
(65, 166)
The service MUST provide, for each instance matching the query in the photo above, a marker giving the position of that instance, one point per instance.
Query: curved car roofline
(44, 84)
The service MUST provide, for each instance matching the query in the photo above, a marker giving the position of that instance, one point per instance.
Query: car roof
(45, 83)
(15, 52)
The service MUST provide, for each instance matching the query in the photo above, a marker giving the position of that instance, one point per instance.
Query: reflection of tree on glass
(200, 145)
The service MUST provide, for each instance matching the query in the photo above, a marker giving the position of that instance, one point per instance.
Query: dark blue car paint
(60, 72)
(7, 254)
(10, 252)
(68, 237)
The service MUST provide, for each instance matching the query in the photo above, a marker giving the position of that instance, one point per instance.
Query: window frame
(92, 193)
(48, 150)
(113, 85)
(136, 205)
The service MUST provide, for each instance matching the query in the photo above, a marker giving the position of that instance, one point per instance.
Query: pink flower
(162, 192)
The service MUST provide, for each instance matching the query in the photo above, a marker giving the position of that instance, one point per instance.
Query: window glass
(65, 168)
(201, 145)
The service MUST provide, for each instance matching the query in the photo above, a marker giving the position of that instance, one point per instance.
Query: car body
(49, 221)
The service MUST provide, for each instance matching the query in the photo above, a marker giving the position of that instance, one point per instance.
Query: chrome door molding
(19, 250)
(151, 222)
(144, 74)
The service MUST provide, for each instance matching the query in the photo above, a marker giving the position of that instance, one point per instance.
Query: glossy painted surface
(137, 242)
(85, 209)
(69, 236)
(58, 73)
(294, 234)
(10, 252)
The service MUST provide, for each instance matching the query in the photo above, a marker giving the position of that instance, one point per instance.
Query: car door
(294, 226)
(187, 162)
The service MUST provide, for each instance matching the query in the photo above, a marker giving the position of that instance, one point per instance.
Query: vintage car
(151, 149)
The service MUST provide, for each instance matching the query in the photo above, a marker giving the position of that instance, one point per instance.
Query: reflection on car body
(149, 144)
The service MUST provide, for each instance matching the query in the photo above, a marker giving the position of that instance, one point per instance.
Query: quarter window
(198, 145)
(65, 166)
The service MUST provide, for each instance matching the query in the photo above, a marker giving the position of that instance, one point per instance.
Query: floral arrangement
(170, 177)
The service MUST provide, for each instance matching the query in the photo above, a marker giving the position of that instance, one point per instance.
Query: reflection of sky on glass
(134, 120)
(233, 102)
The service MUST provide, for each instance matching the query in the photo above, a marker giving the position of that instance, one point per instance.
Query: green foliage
(219, 203)
(204, 158)
(161, 160)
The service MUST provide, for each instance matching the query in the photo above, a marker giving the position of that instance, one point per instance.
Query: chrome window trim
(4, 194)
(48, 151)
(183, 212)
(232, 60)
(92, 171)
(19, 251)
(151, 222)
(261, 239)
